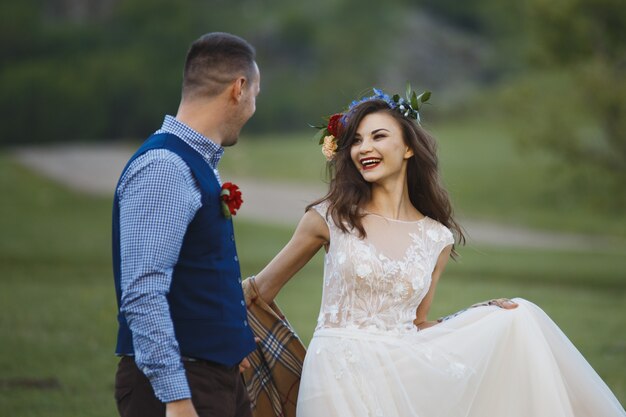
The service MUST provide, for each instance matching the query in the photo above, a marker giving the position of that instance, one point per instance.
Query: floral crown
(409, 107)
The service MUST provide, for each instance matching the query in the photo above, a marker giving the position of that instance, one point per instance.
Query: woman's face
(378, 150)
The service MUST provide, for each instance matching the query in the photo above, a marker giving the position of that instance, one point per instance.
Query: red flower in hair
(231, 199)
(334, 125)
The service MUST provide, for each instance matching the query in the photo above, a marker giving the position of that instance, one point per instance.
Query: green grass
(56, 299)
(57, 304)
(488, 176)
(288, 157)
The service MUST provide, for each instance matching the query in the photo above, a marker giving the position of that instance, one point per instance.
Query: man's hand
(180, 408)
(245, 363)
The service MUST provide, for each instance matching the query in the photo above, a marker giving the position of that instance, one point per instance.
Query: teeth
(366, 162)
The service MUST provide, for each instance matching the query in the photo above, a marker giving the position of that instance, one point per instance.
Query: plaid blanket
(276, 365)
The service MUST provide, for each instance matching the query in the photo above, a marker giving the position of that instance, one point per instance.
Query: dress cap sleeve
(322, 210)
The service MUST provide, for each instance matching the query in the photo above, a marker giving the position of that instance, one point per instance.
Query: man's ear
(237, 88)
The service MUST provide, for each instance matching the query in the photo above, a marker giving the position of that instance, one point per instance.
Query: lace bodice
(377, 283)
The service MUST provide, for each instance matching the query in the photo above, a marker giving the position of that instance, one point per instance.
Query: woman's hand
(425, 324)
(500, 302)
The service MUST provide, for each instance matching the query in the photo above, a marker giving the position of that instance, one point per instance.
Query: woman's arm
(421, 315)
(311, 234)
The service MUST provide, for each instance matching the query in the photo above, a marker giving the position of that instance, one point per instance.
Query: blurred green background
(528, 109)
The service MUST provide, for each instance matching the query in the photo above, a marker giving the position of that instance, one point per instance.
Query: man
(182, 317)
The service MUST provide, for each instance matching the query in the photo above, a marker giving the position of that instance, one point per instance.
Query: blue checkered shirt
(158, 198)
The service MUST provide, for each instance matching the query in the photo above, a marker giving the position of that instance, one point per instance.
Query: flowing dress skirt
(485, 362)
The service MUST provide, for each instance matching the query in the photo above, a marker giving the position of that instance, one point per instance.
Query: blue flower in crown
(378, 95)
(408, 107)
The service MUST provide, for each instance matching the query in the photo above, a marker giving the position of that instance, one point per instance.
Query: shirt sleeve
(157, 203)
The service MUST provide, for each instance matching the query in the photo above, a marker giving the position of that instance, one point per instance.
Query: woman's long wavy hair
(349, 192)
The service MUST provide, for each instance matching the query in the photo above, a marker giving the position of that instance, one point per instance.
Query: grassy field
(57, 308)
(487, 174)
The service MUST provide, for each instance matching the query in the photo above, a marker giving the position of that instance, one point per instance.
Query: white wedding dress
(366, 357)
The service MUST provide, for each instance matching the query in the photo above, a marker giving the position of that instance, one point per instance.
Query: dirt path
(94, 169)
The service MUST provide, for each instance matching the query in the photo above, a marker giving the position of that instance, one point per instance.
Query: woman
(386, 227)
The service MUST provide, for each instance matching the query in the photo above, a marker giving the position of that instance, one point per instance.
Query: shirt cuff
(170, 387)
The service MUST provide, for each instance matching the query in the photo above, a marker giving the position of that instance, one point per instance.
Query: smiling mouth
(369, 163)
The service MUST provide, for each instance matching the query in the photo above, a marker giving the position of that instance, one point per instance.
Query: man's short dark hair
(214, 61)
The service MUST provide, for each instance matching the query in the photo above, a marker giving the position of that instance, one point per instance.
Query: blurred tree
(582, 43)
(109, 69)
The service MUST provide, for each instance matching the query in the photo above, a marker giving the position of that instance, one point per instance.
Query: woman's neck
(392, 200)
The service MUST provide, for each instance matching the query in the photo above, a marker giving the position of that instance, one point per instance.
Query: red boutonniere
(230, 199)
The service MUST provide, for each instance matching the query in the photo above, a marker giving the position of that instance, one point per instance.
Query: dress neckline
(396, 220)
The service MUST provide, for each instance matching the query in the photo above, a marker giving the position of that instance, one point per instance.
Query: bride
(387, 227)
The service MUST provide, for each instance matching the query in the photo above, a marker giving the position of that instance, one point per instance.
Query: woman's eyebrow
(373, 132)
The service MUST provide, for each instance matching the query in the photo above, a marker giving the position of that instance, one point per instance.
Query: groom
(183, 329)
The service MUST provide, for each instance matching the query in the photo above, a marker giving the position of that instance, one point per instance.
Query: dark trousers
(216, 391)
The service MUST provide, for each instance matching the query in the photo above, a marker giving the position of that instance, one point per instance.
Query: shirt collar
(210, 151)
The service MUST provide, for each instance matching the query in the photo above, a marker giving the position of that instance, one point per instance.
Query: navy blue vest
(205, 296)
